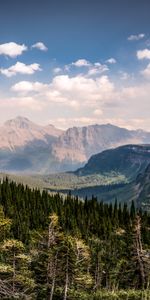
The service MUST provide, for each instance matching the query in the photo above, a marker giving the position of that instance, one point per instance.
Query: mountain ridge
(47, 149)
(129, 159)
(19, 131)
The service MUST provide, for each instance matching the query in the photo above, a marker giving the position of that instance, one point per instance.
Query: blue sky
(74, 63)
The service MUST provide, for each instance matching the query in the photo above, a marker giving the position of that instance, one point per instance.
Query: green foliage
(63, 248)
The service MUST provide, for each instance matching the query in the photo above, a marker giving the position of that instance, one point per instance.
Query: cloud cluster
(80, 93)
(12, 49)
(143, 54)
(81, 100)
(74, 91)
(20, 68)
(92, 69)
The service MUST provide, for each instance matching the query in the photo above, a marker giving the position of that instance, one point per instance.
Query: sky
(75, 63)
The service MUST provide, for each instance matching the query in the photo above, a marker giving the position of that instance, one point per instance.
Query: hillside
(138, 191)
(126, 160)
(49, 242)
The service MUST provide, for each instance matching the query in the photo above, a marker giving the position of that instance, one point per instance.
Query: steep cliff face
(78, 144)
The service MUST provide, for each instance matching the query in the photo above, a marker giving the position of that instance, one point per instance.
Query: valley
(118, 173)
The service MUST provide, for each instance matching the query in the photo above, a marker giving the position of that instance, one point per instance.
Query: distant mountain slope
(28, 147)
(21, 131)
(126, 160)
(78, 144)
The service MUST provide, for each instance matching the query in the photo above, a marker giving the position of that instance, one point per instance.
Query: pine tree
(15, 273)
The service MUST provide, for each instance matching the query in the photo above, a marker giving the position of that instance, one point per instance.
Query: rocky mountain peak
(20, 122)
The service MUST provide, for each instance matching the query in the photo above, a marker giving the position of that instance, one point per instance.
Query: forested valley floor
(55, 248)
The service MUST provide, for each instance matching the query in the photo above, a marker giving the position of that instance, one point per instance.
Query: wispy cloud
(111, 60)
(96, 69)
(20, 68)
(146, 72)
(12, 49)
(81, 63)
(136, 37)
(87, 67)
(41, 46)
(57, 70)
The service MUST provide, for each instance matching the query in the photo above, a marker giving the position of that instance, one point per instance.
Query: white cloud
(40, 46)
(146, 71)
(12, 49)
(136, 37)
(57, 70)
(20, 68)
(81, 63)
(76, 92)
(84, 91)
(111, 60)
(27, 87)
(81, 99)
(91, 69)
(96, 69)
(143, 54)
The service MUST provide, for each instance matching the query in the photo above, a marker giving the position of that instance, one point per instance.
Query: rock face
(28, 147)
(78, 144)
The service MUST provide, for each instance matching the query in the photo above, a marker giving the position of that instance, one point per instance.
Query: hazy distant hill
(28, 147)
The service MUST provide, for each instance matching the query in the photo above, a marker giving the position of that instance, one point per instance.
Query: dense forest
(55, 248)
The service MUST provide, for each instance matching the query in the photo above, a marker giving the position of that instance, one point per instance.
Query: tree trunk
(139, 250)
(54, 278)
(14, 273)
(97, 275)
(67, 279)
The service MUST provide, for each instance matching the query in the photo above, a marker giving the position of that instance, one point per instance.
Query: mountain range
(31, 148)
